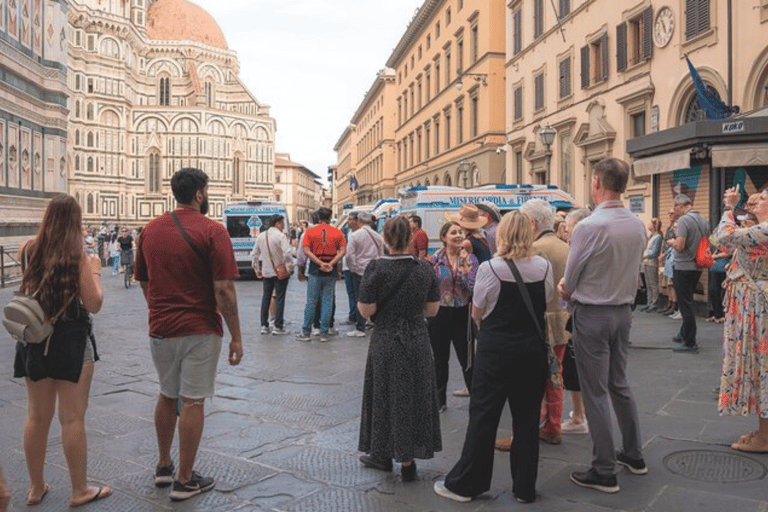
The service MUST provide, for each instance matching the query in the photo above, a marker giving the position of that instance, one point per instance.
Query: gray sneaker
(265, 330)
(196, 485)
(278, 332)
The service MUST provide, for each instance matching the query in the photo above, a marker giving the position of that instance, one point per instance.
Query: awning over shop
(658, 164)
(739, 155)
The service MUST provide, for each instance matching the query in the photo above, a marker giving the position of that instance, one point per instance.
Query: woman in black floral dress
(400, 418)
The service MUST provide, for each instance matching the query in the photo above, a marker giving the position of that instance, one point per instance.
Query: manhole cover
(714, 466)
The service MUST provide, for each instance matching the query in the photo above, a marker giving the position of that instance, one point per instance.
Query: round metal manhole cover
(714, 466)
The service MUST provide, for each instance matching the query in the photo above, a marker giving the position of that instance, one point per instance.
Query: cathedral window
(208, 94)
(154, 173)
(165, 91)
(90, 167)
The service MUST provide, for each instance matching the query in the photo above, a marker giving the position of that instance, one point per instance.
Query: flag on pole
(353, 185)
(708, 101)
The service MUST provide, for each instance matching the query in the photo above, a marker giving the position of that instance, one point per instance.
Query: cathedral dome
(180, 20)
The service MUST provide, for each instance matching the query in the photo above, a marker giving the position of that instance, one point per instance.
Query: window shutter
(565, 78)
(585, 67)
(538, 20)
(648, 33)
(539, 92)
(604, 51)
(703, 16)
(565, 8)
(621, 47)
(518, 36)
(691, 18)
(518, 103)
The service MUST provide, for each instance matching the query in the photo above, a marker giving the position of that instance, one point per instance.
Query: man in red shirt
(324, 246)
(419, 239)
(186, 268)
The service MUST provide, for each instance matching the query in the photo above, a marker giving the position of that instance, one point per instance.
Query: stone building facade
(604, 74)
(154, 88)
(299, 188)
(33, 112)
(443, 105)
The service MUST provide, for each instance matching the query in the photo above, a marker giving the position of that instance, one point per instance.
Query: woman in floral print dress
(744, 381)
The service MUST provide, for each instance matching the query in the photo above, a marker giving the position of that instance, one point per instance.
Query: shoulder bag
(553, 365)
(188, 239)
(281, 270)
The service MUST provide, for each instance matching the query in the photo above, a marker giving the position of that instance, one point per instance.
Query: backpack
(703, 257)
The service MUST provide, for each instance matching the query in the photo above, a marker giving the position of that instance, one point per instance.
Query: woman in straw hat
(471, 222)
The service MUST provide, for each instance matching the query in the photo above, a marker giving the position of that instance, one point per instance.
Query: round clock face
(663, 27)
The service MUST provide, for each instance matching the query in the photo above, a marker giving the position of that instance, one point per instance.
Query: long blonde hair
(514, 237)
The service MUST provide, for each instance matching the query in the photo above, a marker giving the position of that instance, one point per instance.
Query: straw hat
(491, 209)
(469, 217)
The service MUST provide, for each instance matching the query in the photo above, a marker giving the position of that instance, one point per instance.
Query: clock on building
(663, 27)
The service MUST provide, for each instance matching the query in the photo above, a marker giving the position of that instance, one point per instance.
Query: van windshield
(246, 226)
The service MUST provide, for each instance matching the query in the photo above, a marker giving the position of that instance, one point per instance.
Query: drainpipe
(730, 53)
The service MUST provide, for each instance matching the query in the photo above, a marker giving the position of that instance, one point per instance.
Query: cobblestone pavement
(281, 432)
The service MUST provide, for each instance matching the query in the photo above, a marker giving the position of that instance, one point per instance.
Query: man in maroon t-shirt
(186, 268)
(419, 239)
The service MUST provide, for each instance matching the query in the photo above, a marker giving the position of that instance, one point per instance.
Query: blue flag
(353, 185)
(708, 101)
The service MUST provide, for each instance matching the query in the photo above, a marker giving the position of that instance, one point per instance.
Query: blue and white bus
(244, 221)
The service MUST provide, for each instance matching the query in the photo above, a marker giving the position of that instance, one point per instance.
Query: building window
(594, 62)
(538, 18)
(427, 138)
(429, 41)
(460, 122)
(90, 86)
(638, 124)
(461, 4)
(447, 115)
(538, 92)
(437, 75)
(154, 173)
(474, 44)
(89, 112)
(427, 86)
(448, 64)
(519, 167)
(419, 92)
(437, 134)
(437, 29)
(517, 27)
(413, 103)
(90, 140)
(473, 116)
(565, 8)
(566, 178)
(447, 16)
(208, 94)
(399, 111)
(460, 55)
(237, 176)
(634, 40)
(90, 164)
(565, 78)
(405, 105)
(518, 103)
(418, 146)
(164, 97)
(696, 18)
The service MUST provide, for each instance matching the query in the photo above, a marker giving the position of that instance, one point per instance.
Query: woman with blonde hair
(510, 365)
(651, 264)
(67, 284)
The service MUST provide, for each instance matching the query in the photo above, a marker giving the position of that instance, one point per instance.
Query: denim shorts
(186, 366)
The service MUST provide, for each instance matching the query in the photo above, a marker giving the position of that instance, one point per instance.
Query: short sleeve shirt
(691, 226)
(180, 292)
(324, 241)
(419, 242)
(126, 243)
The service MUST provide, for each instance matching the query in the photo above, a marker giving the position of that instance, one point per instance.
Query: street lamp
(478, 77)
(547, 135)
(464, 168)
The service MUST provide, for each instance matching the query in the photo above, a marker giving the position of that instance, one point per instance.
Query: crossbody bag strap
(378, 248)
(526, 297)
(188, 238)
(269, 251)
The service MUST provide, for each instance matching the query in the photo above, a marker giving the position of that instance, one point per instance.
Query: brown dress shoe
(550, 438)
(504, 444)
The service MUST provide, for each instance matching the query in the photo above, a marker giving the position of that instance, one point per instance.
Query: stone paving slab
(281, 432)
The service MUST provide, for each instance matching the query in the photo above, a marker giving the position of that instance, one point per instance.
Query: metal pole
(2, 266)
(730, 54)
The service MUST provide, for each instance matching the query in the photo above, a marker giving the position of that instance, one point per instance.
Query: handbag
(281, 270)
(552, 363)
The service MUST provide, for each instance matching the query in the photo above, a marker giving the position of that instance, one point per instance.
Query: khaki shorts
(186, 366)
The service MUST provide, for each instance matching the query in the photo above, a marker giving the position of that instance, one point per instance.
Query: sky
(311, 61)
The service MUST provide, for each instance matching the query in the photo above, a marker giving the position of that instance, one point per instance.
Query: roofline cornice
(415, 27)
(377, 86)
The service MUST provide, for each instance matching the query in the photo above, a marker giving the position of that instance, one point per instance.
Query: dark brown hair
(55, 256)
(397, 233)
(613, 174)
(445, 227)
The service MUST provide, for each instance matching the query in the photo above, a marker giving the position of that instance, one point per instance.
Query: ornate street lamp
(464, 168)
(547, 135)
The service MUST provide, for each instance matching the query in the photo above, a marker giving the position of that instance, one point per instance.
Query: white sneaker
(333, 332)
(265, 330)
(315, 332)
(278, 332)
(463, 392)
(440, 490)
(676, 316)
(356, 334)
